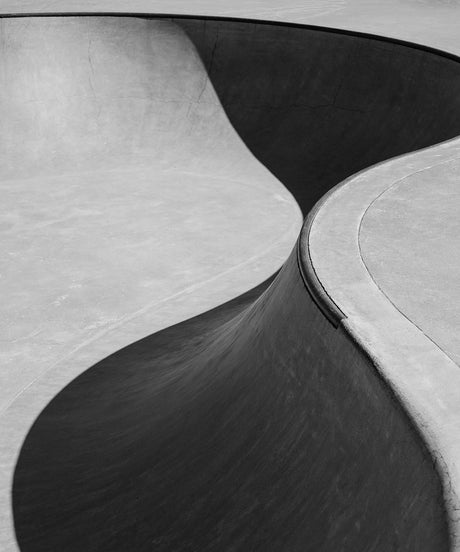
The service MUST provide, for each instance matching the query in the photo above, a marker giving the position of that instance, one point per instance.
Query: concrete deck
(410, 244)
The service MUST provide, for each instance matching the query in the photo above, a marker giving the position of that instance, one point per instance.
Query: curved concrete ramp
(258, 425)
(267, 431)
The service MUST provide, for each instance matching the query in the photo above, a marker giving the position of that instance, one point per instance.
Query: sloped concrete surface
(414, 227)
(238, 433)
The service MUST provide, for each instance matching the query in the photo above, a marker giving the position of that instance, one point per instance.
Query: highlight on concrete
(307, 413)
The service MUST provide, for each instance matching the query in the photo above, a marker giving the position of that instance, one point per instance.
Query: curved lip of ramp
(335, 275)
(235, 19)
(420, 374)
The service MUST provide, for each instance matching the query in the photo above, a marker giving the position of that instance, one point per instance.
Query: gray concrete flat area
(155, 169)
(410, 243)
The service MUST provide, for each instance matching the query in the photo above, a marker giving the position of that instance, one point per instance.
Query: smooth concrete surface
(127, 207)
(87, 252)
(409, 240)
(127, 190)
(257, 426)
(361, 121)
(423, 377)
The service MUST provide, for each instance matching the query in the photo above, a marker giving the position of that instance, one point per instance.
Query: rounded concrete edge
(313, 285)
(424, 380)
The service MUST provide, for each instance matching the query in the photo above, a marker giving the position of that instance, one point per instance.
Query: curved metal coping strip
(314, 287)
(313, 284)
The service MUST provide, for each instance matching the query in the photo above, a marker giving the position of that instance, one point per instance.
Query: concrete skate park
(230, 276)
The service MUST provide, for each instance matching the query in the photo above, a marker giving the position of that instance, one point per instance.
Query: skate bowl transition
(275, 421)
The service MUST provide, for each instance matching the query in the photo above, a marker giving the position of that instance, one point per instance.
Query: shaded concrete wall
(317, 106)
(268, 431)
(85, 93)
